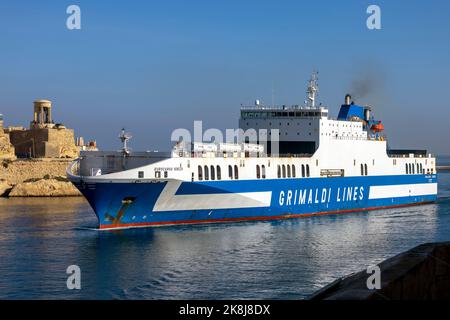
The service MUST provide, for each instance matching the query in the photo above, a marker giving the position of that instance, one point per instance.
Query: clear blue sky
(153, 66)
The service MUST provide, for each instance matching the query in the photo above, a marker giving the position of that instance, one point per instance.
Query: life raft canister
(378, 127)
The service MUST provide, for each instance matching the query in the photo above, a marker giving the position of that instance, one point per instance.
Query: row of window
(364, 169)
(157, 174)
(260, 172)
(283, 171)
(214, 173)
(270, 124)
(303, 114)
(288, 171)
(210, 172)
(286, 133)
(412, 169)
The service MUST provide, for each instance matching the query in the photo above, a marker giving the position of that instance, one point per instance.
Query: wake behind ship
(315, 165)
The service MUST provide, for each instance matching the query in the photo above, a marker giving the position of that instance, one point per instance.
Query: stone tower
(42, 114)
(44, 139)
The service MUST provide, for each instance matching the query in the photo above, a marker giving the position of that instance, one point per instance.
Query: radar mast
(124, 137)
(313, 88)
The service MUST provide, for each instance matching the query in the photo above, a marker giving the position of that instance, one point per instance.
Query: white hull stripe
(402, 190)
(168, 201)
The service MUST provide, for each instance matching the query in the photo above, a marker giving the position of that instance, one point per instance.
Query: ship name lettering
(168, 169)
(320, 195)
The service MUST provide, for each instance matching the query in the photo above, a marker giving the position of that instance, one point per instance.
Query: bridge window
(365, 169)
(407, 168)
(307, 170)
(413, 169)
(421, 169)
(263, 171)
(284, 171)
(236, 173)
(303, 170)
(293, 171)
(200, 173)
(258, 172)
(288, 171)
(219, 174)
(206, 173)
(418, 168)
(362, 169)
(230, 172)
(278, 171)
(141, 174)
(213, 174)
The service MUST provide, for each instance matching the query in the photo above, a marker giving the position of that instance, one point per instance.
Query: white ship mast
(312, 90)
(124, 137)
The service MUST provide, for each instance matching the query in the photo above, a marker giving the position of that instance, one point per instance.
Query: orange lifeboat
(378, 127)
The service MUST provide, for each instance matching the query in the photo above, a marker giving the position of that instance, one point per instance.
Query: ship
(307, 164)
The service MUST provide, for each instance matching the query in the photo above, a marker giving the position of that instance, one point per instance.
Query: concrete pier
(422, 273)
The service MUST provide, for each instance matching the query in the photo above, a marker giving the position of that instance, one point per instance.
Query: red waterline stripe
(260, 218)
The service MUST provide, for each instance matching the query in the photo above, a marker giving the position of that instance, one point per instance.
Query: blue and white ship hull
(171, 202)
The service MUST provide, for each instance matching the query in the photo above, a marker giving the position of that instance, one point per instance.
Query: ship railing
(73, 170)
(359, 138)
(212, 154)
(240, 155)
(276, 108)
(408, 153)
(295, 155)
(408, 156)
(351, 138)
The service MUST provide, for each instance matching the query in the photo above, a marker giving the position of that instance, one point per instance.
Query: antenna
(312, 90)
(273, 95)
(124, 137)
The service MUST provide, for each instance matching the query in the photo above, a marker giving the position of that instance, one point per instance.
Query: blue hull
(122, 205)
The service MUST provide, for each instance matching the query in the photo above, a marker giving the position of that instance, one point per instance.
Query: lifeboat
(377, 127)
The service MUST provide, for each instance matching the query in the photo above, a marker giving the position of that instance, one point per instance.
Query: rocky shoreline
(34, 178)
(45, 187)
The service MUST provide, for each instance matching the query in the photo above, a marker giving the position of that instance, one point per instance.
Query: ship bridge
(297, 127)
(301, 129)
(295, 111)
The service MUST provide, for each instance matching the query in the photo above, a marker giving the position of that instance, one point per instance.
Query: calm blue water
(290, 259)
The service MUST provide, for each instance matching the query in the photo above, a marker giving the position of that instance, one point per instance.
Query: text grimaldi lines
(321, 195)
